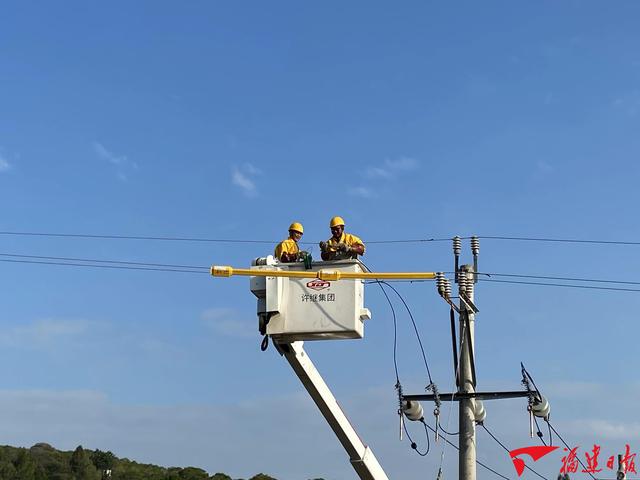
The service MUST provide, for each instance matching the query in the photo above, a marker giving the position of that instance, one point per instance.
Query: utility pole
(466, 378)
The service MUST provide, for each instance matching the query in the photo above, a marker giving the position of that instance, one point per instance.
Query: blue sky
(230, 120)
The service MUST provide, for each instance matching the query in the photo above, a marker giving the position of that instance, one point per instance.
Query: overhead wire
(491, 274)
(556, 240)
(244, 240)
(94, 260)
(116, 267)
(566, 285)
(477, 461)
(506, 449)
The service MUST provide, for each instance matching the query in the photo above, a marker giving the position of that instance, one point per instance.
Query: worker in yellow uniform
(341, 245)
(288, 251)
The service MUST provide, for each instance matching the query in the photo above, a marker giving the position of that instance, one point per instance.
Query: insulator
(457, 245)
(469, 285)
(462, 281)
(412, 410)
(440, 283)
(447, 288)
(475, 245)
(479, 413)
(541, 408)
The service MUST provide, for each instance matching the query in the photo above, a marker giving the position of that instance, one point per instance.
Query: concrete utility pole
(466, 383)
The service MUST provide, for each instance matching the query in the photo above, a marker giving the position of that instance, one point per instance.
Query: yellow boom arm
(324, 274)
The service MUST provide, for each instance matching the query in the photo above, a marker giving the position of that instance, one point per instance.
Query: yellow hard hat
(297, 227)
(335, 221)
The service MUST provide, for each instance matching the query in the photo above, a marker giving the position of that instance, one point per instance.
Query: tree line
(43, 462)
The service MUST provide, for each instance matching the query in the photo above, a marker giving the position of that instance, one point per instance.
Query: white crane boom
(362, 458)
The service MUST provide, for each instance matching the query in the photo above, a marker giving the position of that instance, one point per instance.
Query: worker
(341, 245)
(288, 251)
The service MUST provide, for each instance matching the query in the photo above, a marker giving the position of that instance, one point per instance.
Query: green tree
(103, 460)
(7, 470)
(82, 467)
(54, 463)
(262, 476)
(192, 473)
(27, 468)
(220, 476)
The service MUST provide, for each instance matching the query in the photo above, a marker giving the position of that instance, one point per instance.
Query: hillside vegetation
(43, 462)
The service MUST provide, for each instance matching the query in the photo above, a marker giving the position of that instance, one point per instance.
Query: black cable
(539, 433)
(561, 285)
(477, 461)
(135, 237)
(415, 328)
(414, 240)
(93, 260)
(229, 240)
(448, 433)
(558, 240)
(567, 445)
(395, 332)
(503, 446)
(193, 239)
(117, 267)
(569, 279)
(414, 445)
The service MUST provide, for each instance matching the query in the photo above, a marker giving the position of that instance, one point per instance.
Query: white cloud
(251, 169)
(107, 155)
(44, 332)
(629, 103)
(377, 172)
(402, 164)
(121, 162)
(599, 428)
(242, 177)
(226, 321)
(364, 192)
(389, 170)
(4, 164)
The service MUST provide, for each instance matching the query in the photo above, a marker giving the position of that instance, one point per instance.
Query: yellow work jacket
(286, 246)
(344, 238)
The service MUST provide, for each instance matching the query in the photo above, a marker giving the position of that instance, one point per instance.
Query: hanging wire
(505, 448)
(567, 445)
(477, 461)
(415, 328)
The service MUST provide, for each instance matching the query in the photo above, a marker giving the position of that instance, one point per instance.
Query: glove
(323, 246)
(302, 255)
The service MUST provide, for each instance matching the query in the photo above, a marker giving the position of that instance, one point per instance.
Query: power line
(73, 259)
(507, 450)
(557, 240)
(192, 239)
(117, 267)
(134, 237)
(170, 267)
(570, 279)
(386, 241)
(567, 285)
(477, 461)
